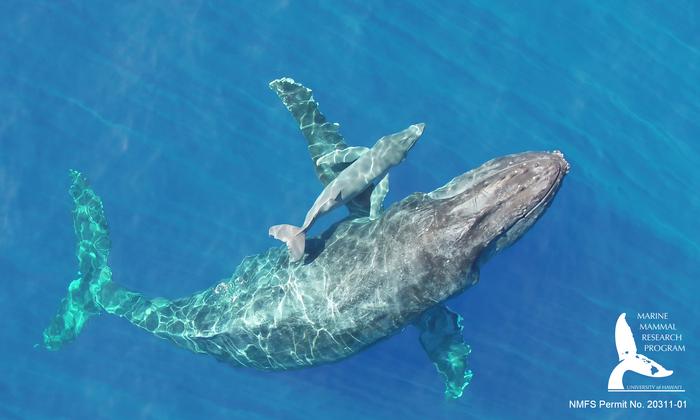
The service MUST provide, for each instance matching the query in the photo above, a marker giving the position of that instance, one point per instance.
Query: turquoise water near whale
(165, 108)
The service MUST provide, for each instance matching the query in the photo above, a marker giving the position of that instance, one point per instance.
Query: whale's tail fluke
(293, 236)
(93, 273)
(93, 291)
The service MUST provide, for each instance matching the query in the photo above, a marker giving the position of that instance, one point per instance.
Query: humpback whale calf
(366, 278)
(367, 165)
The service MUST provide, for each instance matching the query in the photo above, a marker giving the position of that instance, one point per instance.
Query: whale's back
(275, 315)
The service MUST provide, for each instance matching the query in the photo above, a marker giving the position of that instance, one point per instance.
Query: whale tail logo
(630, 359)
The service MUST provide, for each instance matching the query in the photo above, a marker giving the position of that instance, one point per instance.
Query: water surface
(165, 107)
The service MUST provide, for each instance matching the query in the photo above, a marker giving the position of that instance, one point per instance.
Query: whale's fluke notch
(441, 338)
(323, 137)
(92, 251)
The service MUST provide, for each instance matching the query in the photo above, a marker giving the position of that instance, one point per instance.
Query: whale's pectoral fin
(347, 155)
(441, 338)
(377, 198)
(322, 136)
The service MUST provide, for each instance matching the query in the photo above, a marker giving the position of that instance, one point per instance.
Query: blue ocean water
(165, 107)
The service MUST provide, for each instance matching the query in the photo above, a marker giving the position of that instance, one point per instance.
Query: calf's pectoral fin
(441, 338)
(347, 155)
(377, 198)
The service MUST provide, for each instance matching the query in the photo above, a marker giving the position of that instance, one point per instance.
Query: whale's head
(493, 205)
(460, 225)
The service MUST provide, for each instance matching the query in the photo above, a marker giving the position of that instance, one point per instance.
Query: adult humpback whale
(364, 279)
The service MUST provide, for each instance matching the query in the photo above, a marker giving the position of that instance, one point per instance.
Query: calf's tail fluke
(293, 236)
(93, 273)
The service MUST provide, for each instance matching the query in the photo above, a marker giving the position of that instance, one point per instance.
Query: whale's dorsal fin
(323, 137)
(624, 340)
